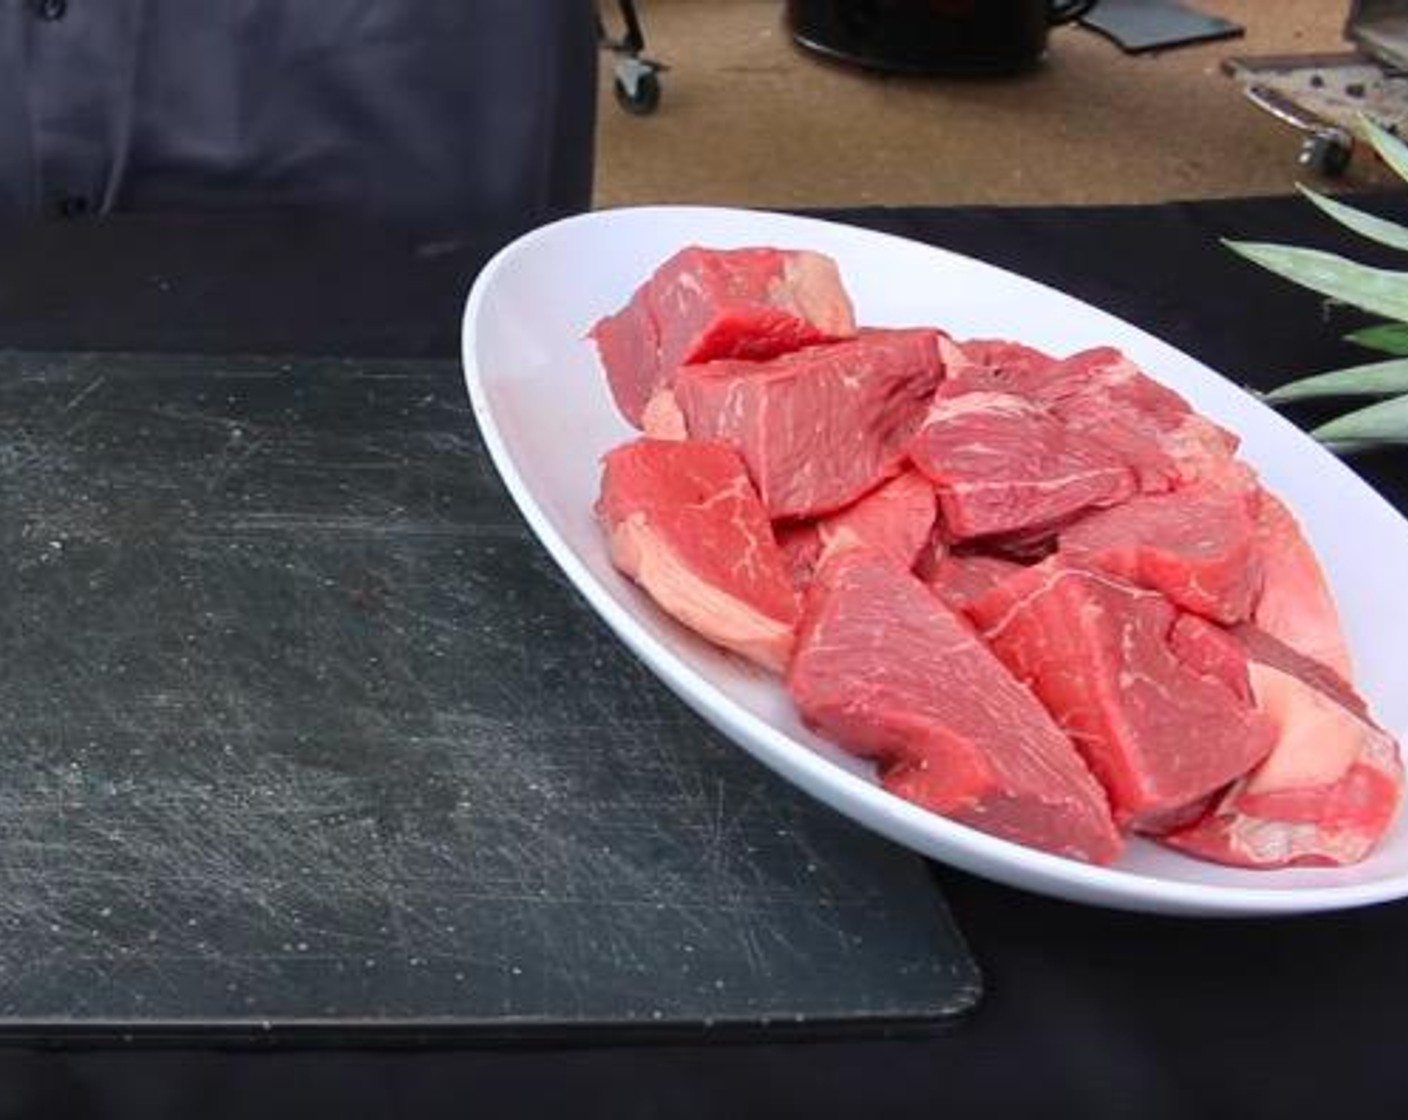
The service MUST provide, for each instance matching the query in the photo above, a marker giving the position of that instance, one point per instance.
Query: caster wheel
(638, 90)
(1327, 155)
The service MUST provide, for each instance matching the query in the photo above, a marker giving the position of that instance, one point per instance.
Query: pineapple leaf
(1361, 222)
(1391, 149)
(1385, 422)
(1387, 338)
(1377, 290)
(1375, 379)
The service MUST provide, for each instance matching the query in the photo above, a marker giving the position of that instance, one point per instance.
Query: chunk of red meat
(1329, 789)
(1105, 397)
(886, 670)
(1197, 545)
(1159, 732)
(703, 304)
(1004, 464)
(994, 365)
(628, 346)
(819, 427)
(686, 524)
(895, 518)
(1212, 651)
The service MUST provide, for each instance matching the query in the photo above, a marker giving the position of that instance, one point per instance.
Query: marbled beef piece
(704, 304)
(820, 427)
(1004, 464)
(1160, 724)
(1329, 789)
(1197, 544)
(685, 523)
(886, 670)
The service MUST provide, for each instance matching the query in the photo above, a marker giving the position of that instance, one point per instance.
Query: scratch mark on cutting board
(86, 392)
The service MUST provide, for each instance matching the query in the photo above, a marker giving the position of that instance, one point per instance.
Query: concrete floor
(748, 118)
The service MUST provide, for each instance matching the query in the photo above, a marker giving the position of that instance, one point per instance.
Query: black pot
(932, 36)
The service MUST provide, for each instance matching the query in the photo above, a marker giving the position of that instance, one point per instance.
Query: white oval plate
(542, 404)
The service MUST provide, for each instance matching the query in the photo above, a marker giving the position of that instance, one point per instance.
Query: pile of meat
(1041, 593)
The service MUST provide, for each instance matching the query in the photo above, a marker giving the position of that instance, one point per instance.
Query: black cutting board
(302, 735)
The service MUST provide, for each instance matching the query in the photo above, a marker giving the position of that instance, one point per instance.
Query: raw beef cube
(818, 427)
(1107, 398)
(1197, 545)
(994, 365)
(884, 669)
(1296, 604)
(960, 578)
(628, 345)
(1101, 402)
(1104, 371)
(703, 304)
(1005, 464)
(1212, 651)
(1330, 787)
(1006, 358)
(747, 303)
(896, 518)
(686, 524)
(1102, 656)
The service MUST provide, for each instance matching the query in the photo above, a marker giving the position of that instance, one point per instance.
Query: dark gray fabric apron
(438, 113)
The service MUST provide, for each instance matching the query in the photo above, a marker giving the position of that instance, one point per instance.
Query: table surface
(1094, 1012)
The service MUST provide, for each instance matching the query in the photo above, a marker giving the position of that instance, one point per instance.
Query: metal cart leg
(637, 79)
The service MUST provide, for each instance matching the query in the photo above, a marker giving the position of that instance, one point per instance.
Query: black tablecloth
(1088, 1012)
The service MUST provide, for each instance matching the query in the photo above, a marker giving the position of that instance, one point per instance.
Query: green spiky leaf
(1383, 231)
(1380, 291)
(1385, 422)
(1391, 149)
(1377, 379)
(1387, 338)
